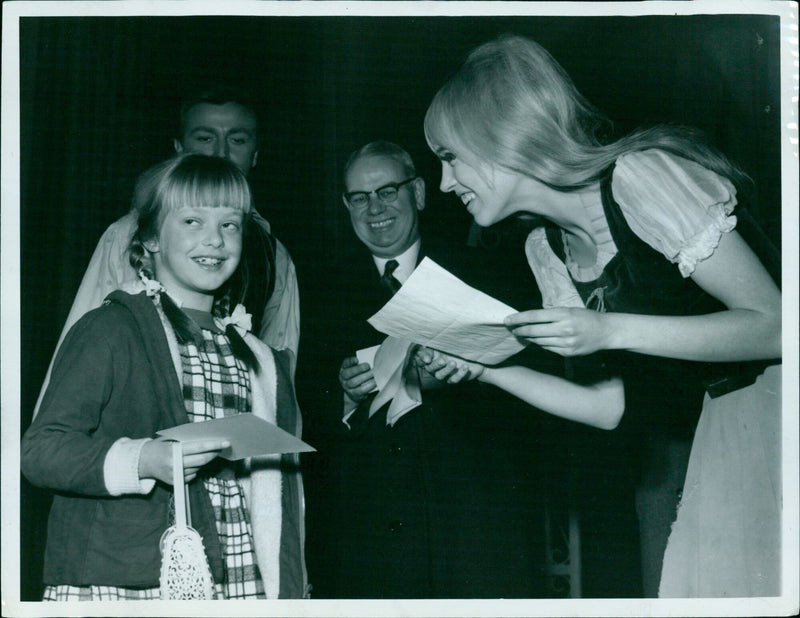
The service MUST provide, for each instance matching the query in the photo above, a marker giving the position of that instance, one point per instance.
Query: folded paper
(388, 362)
(248, 434)
(367, 355)
(436, 309)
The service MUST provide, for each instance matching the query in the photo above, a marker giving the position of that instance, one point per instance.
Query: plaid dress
(215, 384)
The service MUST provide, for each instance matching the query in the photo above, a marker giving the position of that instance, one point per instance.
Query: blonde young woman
(641, 255)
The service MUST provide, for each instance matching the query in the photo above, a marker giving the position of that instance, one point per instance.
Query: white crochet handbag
(185, 573)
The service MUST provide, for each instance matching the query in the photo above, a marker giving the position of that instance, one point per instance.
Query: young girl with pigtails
(170, 350)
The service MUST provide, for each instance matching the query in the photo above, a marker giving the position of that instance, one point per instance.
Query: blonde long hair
(512, 104)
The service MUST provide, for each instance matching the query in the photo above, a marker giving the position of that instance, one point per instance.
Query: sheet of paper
(248, 434)
(385, 359)
(407, 397)
(436, 309)
(367, 355)
(390, 361)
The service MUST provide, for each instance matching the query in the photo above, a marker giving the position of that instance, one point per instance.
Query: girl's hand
(445, 367)
(155, 460)
(568, 331)
(356, 379)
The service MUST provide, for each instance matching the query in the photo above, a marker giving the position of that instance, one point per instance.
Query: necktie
(387, 279)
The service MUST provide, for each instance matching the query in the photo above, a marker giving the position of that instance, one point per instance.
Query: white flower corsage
(240, 319)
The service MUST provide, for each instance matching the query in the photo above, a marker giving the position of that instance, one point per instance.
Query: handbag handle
(185, 573)
(179, 488)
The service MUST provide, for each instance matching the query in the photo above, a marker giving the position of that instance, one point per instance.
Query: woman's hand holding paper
(568, 331)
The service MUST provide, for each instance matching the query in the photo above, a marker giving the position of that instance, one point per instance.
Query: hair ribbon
(241, 320)
(152, 287)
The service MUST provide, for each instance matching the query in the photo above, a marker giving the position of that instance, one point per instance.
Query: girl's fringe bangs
(211, 193)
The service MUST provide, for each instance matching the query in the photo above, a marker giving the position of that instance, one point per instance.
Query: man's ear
(176, 144)
(255, 159)
(419, 193)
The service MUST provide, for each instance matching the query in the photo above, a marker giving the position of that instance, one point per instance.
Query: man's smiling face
(387, 229)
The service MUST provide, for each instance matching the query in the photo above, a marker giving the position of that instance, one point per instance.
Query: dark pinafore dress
(729, 514)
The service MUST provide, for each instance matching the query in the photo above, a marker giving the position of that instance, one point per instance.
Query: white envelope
(248, 434)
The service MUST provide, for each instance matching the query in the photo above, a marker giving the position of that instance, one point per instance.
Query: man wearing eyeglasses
(386, 219)
(429, 506)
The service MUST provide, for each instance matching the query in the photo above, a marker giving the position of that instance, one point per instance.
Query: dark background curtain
(99, 99)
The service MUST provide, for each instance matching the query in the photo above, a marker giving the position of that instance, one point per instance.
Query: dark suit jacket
(442, 504)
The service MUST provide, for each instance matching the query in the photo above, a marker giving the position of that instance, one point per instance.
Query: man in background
(216, 122)
(435, 503)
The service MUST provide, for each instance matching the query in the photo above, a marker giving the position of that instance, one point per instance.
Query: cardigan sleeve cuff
(121, 468)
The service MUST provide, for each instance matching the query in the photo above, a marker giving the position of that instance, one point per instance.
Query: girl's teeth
(209, 261)
(466, 198)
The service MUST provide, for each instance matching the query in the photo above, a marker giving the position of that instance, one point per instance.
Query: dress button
(396, 526)
(395, 449)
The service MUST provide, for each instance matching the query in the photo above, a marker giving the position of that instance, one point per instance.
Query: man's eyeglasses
(359, 200)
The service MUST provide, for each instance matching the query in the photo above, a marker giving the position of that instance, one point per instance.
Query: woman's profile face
(485, 189)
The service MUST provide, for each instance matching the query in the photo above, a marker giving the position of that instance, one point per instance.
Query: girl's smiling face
(485, 189)
(196, 252)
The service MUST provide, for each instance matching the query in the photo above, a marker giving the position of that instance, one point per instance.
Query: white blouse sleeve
(676, 206)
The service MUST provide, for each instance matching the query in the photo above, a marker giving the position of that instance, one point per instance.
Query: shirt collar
(407, 262)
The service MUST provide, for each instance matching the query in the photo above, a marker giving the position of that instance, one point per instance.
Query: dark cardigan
(114, 377)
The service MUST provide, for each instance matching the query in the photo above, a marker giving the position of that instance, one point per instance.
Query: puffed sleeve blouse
(675, 205)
